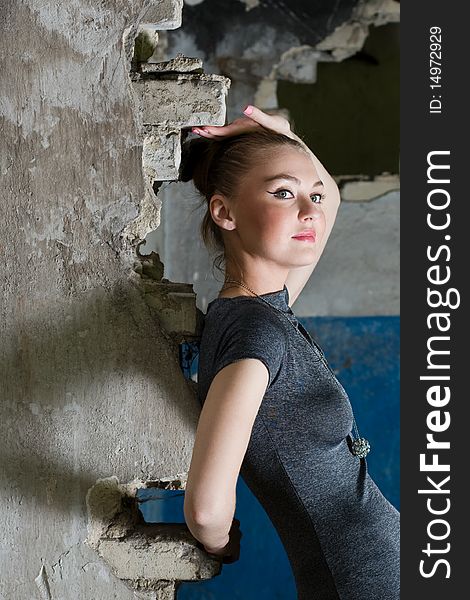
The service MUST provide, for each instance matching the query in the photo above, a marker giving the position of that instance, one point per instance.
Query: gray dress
(341, 535)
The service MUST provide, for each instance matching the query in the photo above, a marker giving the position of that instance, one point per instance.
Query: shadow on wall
(63, 369)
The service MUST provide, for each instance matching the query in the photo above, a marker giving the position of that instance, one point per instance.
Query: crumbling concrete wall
(93, 400)
(91, 385)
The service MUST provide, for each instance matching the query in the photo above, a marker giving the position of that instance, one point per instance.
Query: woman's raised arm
(297, 278)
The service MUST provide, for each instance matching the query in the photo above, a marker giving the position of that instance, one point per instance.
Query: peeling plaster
(349, 38)
(73, 185)
(144, 556)
(68, 19)
(43, 584)
(157, 91)
(250, 4)
(148, 218)
(299, 63)
(369, 189)
(105, 499)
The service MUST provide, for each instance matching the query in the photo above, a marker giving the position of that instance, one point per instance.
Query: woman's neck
(233, 291)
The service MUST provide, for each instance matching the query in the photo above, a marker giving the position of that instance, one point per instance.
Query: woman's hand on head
(257, 118)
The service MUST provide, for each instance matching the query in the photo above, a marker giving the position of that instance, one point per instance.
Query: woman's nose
(312, 210)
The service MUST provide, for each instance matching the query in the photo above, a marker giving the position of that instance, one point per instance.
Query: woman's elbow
(192, 515)
(204, 513)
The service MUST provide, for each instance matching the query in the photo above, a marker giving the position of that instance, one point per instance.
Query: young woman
(272, 409)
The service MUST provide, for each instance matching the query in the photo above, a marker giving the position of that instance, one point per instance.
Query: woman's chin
(302, 261)
(306, 253)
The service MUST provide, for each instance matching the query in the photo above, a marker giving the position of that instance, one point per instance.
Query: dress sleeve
(252, 332)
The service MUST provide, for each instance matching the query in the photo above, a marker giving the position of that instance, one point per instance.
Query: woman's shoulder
(246, 313)
(246, 307)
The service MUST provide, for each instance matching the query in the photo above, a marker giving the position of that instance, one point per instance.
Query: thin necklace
(360, 446)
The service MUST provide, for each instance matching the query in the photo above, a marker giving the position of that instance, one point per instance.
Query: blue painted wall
(364, 353)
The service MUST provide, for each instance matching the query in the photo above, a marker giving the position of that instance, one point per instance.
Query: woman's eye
(280, 192)
(317, 198)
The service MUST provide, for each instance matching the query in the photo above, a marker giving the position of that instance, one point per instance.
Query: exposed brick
(179, 64)
(181, 100)
(158, 552)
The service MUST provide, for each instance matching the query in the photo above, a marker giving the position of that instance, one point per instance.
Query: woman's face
(270, 210)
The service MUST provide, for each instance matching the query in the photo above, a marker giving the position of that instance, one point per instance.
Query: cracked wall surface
(141, 555)
(91, 385)
(92, 390)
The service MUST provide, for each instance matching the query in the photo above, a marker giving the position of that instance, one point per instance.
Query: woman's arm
(297, 278)
(222, 437)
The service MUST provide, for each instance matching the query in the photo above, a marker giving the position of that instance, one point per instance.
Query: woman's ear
(221, 212)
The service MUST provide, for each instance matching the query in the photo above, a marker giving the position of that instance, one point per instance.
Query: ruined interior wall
(91, 387)
(91, 384)
(261, 46)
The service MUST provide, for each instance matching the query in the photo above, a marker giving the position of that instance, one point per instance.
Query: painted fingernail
(248, 110)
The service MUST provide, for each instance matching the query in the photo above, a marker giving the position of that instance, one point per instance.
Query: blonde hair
(218, 166)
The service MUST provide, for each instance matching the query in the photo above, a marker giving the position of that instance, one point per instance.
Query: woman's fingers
(273, 122)
(215, 131)
(257, 118)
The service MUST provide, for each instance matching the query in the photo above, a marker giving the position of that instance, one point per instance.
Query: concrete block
(158, 552)
(175, 306)
(345, 41)
(181, 100)
(378, 12)
(166, 591)
(145, 43)
(147, 557)
(165, 14)
(173, 303)
(161, 153)
(179, 64)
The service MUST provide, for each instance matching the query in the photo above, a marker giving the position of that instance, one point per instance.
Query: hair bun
(192, 153)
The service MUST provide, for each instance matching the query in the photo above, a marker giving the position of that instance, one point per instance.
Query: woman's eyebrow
(287, 176)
